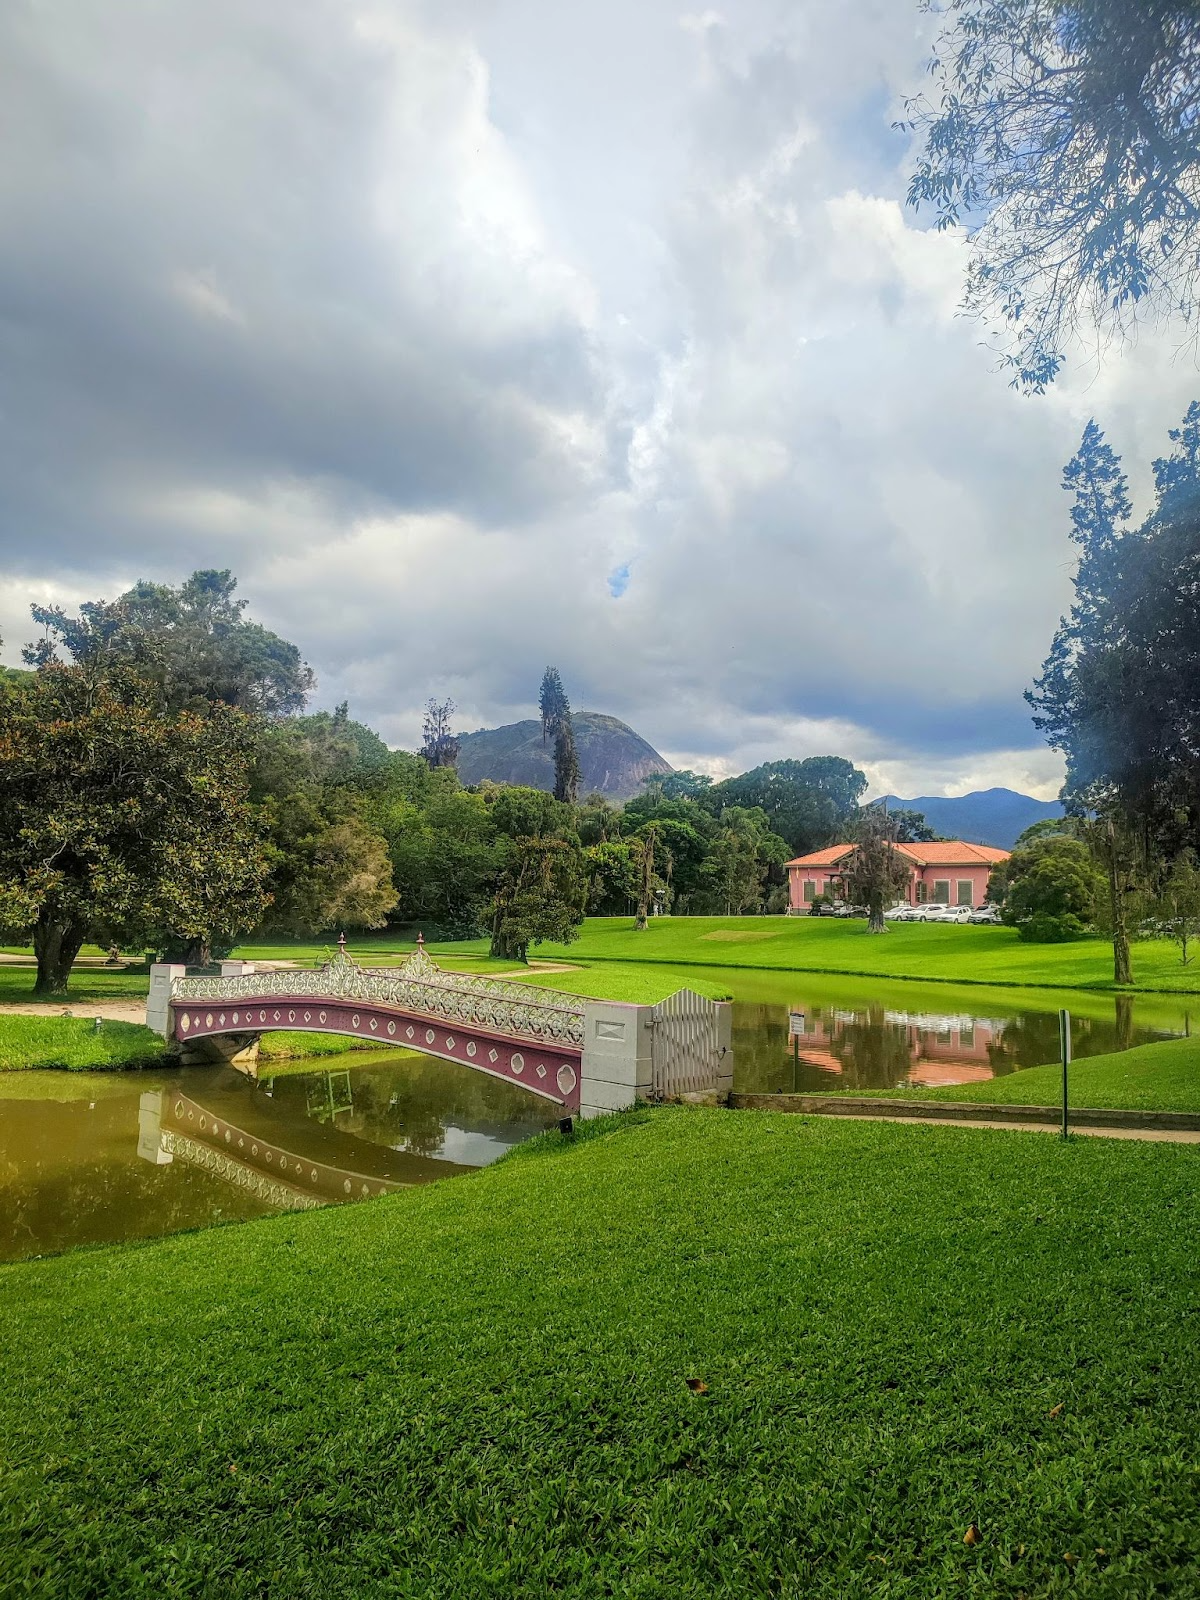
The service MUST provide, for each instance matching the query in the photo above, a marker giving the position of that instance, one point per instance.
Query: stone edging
(844, 1105)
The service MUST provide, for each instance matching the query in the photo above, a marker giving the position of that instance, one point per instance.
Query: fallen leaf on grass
(972, 1535)
(697, 1385)
(1055, 1411)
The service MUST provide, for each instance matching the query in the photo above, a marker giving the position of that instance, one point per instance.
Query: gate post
(724, 1051)
(618, 1065)
(162, 974)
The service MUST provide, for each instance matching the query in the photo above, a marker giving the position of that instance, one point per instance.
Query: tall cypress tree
(556, 725)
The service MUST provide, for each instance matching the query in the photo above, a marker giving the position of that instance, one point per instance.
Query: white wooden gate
(687, 1047)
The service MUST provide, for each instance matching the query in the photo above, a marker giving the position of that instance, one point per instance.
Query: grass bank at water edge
(686, 1354)
(1151, 1077)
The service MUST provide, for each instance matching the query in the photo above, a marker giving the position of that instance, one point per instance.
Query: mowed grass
(75, 1044)
(1150, 1077)
(685, 1354)
(948, 953)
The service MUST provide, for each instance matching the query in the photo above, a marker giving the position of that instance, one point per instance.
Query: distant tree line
(163, 786)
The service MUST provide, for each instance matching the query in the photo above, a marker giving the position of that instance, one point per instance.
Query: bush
(1045, 928)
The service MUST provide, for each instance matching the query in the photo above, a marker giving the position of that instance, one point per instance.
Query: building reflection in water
(818, 1046)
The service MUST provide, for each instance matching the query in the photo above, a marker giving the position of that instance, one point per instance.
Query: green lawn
(75, 1044)
(909, 950)
(1152, 1077)
(481, 1388)
(87, 985)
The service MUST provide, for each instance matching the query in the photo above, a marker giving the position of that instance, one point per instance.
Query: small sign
(795, 1024)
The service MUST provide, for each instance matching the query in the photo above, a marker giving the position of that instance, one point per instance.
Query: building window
(810, 890)
(941, 891)
(922, 891)
(966, 1036)
(964, 892)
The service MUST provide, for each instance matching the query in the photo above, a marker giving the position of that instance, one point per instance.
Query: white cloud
(441, 325)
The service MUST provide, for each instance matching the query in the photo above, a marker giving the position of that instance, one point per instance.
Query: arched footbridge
(588, 1056)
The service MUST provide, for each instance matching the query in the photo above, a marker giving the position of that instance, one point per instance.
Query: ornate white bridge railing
(418, 985)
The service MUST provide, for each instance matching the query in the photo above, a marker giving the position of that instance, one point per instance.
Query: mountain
(613, 758)
(989, 816)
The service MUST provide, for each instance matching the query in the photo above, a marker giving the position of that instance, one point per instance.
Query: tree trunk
(642, 909)
(55, 944)
(1122, 966)
(504, 945)
(875, 922)
(198, 952)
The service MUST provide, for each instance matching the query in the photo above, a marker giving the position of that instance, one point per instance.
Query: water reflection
(822, 1040)
(146, 1155)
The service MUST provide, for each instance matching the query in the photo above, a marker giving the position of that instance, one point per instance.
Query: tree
(121, 820)
(683, 785)
(439, 746)
(910, 827)
(556, 724)
(1047, 889)
(876, 873)
(643, 863)
(808, 802)
(540, 896)
(1179, 901)
(330, 868)
(194, 642)
(1066, 137)
(612, 877)
(1091, 700)
(446, 855)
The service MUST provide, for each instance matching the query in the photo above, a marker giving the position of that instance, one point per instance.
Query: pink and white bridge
(588, 1056)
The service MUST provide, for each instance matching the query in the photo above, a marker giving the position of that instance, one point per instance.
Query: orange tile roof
(823, 858)
(945, 853)
(954, 853)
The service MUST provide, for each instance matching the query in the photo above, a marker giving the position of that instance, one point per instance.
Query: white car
(898, 913)
(933, 911)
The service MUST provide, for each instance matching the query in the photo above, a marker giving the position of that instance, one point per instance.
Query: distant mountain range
(614, 760)
(989, 816)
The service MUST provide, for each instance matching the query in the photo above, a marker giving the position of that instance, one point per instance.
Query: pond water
(88, 1158)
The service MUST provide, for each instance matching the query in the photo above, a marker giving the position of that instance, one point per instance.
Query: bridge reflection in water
(228, 1133)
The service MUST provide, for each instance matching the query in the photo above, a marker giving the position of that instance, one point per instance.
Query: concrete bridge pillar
(617, 1066)
(162, 974)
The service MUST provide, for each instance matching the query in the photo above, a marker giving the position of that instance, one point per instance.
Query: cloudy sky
(486, 333)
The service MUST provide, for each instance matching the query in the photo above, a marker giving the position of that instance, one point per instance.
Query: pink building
(949, 872)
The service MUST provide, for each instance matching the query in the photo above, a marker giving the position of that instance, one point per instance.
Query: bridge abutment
(617, 1067)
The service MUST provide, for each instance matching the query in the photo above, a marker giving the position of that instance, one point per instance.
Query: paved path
(1157, 1135)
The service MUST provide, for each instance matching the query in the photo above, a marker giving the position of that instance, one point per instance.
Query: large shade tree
(1065, 136)
(121, 820)
(194, 641)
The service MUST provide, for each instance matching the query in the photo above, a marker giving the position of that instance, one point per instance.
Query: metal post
(1064, 1046)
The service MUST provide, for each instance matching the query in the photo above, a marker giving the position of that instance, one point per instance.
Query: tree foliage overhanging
(1065, 135)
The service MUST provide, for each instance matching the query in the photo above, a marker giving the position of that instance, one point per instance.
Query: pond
(89, 1158)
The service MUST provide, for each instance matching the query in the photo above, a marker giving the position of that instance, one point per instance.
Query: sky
(479, 335)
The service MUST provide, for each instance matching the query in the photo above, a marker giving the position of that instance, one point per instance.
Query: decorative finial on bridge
(342, 943)
(420, 940)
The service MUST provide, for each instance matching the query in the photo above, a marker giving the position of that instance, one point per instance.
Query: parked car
(933, 911)
(984, 914)
(897, 913)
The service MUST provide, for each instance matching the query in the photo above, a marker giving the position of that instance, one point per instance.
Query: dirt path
(131, 1010)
